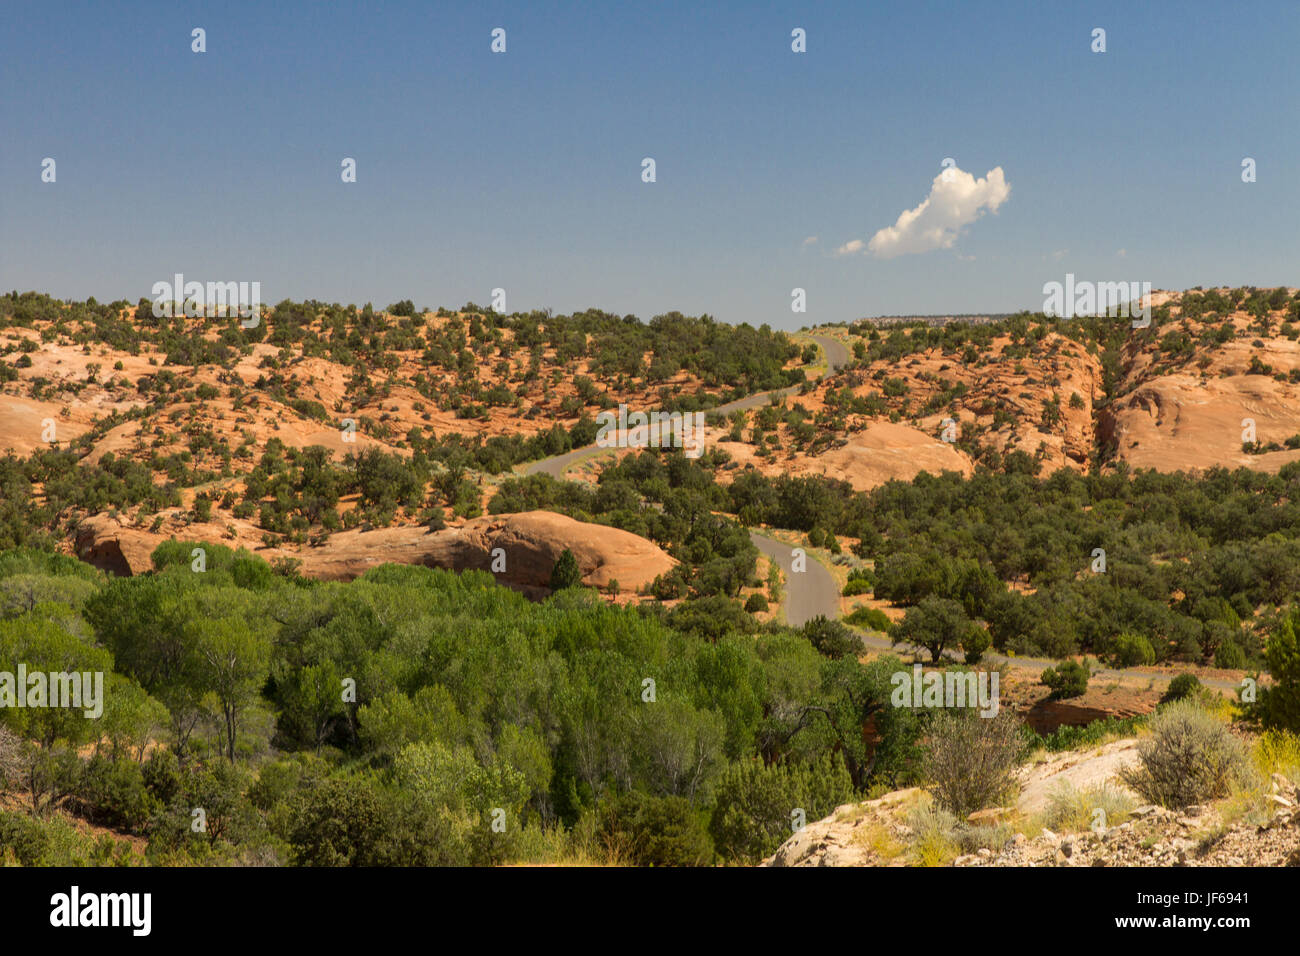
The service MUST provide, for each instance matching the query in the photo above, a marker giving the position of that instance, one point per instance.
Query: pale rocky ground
(881, 452)
(875, 832)
(1079, 769)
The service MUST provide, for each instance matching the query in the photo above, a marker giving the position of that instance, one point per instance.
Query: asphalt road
(807, 593)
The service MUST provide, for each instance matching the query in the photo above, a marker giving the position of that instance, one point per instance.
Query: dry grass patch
(1071, 809)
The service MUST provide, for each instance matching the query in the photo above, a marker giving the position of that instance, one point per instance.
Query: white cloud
(810, 240)
(956, 199)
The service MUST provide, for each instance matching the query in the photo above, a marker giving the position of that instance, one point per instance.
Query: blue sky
(523, 170)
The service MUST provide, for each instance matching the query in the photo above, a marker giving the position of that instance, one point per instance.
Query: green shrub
(756, 603)
(337, 822)
(1184, 685)
(1066, 737)
(566, 573)
(754, 802)
(161, 774)
(1189, 758)
(1278, 707)
(869, 617)
(113, 793)
(831, 638)
(1067, 679)
(974, 644)
(23, 836)
(646, 830)
(710, 617)
(1132, 650)
(1230, 656)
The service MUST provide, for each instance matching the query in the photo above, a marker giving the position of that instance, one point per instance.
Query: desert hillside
(1181, 394)
(323, 418)
(279, 435)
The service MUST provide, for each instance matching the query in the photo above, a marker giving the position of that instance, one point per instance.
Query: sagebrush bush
(933, 842)
(970, 761)
(971, 838)
(1189, 758)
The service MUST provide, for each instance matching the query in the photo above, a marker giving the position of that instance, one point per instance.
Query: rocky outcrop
(104, 542)
(835, 841)
(1184, 422)
(530, 543)
(880, 832)
(884, 451)
(1047, 715)
(1079, 770)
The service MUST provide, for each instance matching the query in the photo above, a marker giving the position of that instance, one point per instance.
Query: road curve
(813, 591)
(837, 356)
(808, 593)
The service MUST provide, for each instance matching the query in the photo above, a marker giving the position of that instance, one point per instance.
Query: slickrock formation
(1184, 422)
(532, 542)
(885, 451)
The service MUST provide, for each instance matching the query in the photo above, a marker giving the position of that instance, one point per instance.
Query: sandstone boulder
(531, 541)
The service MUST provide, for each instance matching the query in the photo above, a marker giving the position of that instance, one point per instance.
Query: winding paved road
(807, 593)
(814, 591)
